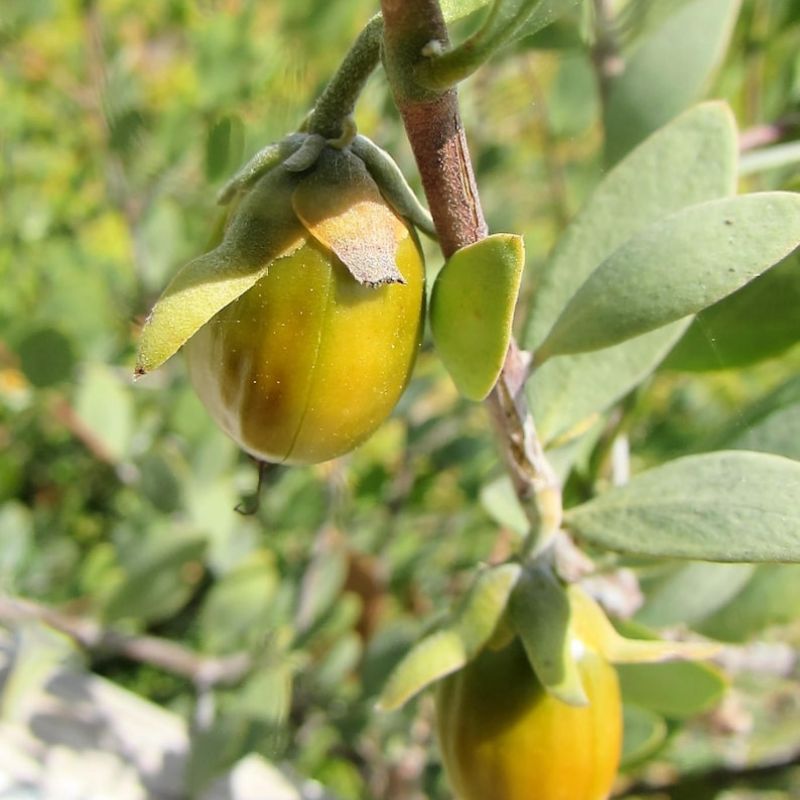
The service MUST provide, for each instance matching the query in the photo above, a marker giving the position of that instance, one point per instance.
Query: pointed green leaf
(723, 506)
(484, 606)
(434, 657)
(677, 689)
(448, 649)
(669, 70)
(540, 614)
(262, 228)
(472, 308)
(676, 267)
(692, 592)
(690, 161)
(758, 321)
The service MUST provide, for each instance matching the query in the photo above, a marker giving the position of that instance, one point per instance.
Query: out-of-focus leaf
(17, 536)
(668, 71)
(690, 161)
(160, 579)
(236, 612)
(105, 406)
(692, 592)
(771, 597)
(47, 357)
(501, 503)
(758, 321)
(677, 267)
(644, 733)
(722, 506)
(224, 146)
(775, 157)
(677, 689)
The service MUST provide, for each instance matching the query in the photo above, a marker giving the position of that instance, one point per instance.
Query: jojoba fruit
(503, 737)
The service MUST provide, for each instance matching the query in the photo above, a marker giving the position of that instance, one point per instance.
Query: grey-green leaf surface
(771, 597)
(722, 506)
(692, 592)
(668, 70)
(677, 267)
(758, 321)
(567, 393)
(771, 425)
(540, 614)
(690, 161)
(676, 689)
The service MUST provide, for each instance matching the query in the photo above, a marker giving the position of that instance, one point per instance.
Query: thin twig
(203, 671)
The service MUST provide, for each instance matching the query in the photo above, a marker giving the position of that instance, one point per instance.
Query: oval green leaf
(723, 506)
(472, 308)
(644, 733)
(690, 161)
(675, 268)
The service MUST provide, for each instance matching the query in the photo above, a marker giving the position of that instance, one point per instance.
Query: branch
(434, 129)
(203, 671)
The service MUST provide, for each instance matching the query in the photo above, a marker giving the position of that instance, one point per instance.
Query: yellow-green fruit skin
(503, 737)
(304, 366)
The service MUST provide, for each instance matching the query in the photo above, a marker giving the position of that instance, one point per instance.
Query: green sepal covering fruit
(302, 325)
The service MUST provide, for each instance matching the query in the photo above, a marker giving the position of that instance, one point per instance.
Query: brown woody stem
(433, 125)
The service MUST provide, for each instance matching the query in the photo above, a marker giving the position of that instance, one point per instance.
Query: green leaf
(568, 393)
(776, 157)
(501, 503)
(105, 406)
(453, 10)
(159, 580)
(472, 308)
(692, 592)
(540, 613)
(669, 70)
(262, 228)
(448, 649)
(224, 146)
(47, 357)
(758, 321)
(676, 267)
(676, 689)
(435, 656)
(236, 612)
(723, 506)
(771, 597)
(772, 425)
(644, 733)
(484, 605)
(690, 161)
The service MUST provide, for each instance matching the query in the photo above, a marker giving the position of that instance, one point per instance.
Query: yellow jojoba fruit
(307, 363)
(503, 737)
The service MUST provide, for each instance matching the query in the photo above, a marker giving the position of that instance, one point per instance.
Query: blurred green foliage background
(119, 122)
